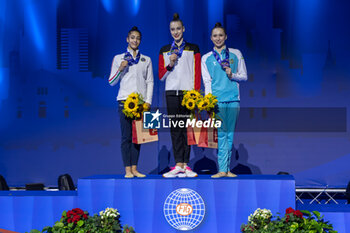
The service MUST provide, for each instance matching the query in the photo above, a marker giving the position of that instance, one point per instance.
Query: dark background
(58, 113)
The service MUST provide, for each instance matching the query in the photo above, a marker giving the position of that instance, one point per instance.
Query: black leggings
(130, 151)
(178, 135)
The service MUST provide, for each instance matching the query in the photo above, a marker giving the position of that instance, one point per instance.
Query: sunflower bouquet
(191, 100)
(134, 106)
(208, 103)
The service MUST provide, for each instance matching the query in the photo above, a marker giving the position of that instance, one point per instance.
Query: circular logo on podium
(184, 209)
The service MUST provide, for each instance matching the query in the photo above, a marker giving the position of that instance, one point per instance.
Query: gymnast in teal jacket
(222, 70)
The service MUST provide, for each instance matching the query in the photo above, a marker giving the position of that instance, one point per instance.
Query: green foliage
(106, 222)
(34, 231)
(293, 221)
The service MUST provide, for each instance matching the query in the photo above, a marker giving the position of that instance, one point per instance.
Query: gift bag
(208, 137)
(193, 135)
(141, 135)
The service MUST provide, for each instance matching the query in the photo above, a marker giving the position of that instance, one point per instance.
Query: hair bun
(176, 16)
(134, 29)
(218, 24)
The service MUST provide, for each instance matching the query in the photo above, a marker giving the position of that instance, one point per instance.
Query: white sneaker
(189, 172)
(175, 172)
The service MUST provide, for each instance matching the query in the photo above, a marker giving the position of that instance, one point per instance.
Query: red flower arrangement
(77, 220)
(74, 215)
(290, 211)
(293, 221)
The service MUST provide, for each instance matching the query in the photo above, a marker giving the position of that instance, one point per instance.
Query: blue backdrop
(58, 113)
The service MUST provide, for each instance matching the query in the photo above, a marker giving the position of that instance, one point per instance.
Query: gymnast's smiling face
(134, 40)
(218, 37)
(177, 30)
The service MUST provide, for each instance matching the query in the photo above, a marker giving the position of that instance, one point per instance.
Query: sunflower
(135, 101)
(134, 106)
(184, 100)
(136, 114)
(186, 94)
(210, 96)
(145, 107)
(130, 105)
(134, 96)
(203, 104)
(192, 94)
(200, 105)
(212, 103)
(190, 105)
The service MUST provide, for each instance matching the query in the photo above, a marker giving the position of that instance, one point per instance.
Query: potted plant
(262, 221)
(79, 221)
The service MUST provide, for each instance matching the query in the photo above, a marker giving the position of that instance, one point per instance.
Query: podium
(228, 201)
(141, 202)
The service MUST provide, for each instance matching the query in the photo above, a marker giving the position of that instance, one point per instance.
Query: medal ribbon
(177, 50)
(131, 61)
(225, 63)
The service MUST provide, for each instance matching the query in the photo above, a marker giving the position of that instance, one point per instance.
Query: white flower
(109, 212)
